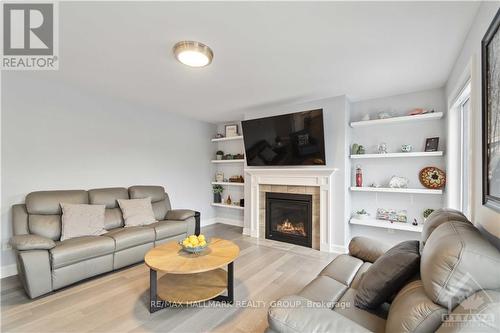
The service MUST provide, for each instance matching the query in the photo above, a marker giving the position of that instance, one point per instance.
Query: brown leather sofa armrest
(31, 242)
(180, 214)
(367, 249)
(296, 314)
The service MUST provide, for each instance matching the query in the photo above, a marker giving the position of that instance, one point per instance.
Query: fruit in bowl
(194, 244)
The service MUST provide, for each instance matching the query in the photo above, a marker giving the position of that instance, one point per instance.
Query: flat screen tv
(289, 139)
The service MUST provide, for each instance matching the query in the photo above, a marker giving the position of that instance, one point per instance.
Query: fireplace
(289, 218)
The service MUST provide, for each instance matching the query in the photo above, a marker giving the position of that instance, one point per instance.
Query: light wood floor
(117, 302)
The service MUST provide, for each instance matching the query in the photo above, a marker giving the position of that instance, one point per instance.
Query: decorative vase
(219, 157)
(217, 198)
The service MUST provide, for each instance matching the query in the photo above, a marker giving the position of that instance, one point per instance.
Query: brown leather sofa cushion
(388, 275)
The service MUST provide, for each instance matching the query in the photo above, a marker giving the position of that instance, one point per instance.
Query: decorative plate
(432, 177)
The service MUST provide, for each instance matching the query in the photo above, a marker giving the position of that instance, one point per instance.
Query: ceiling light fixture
(193, 54)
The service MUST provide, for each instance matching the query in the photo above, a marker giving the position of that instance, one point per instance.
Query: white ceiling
(264, 52)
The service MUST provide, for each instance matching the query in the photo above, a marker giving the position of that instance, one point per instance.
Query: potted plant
(219, 154)
(362, 214)
(218, 189)
(427, 212)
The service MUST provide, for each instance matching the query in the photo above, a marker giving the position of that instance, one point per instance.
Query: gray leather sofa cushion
(47, 202)
(45, 225)
(438, 217)
(359, 275)
(373, 321)
(31, 242)
(125, 238)
(367, 249)
(291, 314)
(20, 219)
(78, 249)
(113, 217)
(324, 289)
(483, 307)
(159, 199)
(343, 269)
(156, 193)
(179, 214)
(168, 228)
(456, 262)
(108, 196)
(388, 275)
(413, 311)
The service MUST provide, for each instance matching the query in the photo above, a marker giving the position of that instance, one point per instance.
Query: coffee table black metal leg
(230, 283)
(230, 287)
(153, 298)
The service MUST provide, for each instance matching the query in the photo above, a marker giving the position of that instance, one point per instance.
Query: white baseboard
(235, 222)
(205, 222)
(338, 249)
(8, 270)
(246, 231)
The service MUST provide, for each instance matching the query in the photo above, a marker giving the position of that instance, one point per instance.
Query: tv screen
(289, 139)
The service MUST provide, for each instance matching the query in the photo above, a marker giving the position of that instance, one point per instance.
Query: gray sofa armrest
(31, 242)
(180, 214)
(295, 314)
(367, 249)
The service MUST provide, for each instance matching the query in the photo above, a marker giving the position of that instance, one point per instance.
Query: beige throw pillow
(82, 220)
(137, 212)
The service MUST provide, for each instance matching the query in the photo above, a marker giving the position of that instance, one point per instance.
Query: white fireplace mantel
(314, 176)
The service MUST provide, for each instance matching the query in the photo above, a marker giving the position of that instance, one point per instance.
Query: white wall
(335, 117)
(381, 170)
(469, 64)
(55, 136)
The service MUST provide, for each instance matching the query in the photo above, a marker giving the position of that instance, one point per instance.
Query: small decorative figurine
(406, 148)
(229, 201)
(382, 148)
(415, 222)
(359, 176)
(398, 182)
(219, 154)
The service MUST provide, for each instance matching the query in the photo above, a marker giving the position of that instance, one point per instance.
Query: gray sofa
(45, 264)
(456, 290)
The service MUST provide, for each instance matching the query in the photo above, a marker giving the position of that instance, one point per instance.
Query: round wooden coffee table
(191, 278)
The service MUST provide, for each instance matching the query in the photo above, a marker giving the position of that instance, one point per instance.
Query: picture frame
(231, 130)
(490, 71)
(432, 144)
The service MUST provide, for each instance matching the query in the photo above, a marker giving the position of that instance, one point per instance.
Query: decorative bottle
(359, 176)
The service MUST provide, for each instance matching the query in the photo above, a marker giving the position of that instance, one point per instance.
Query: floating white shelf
(228, 183)
(239, 137)
(392, 155)
(397, 190)
(395, 120)
(387, 224)
(227, 206)
(228, 161)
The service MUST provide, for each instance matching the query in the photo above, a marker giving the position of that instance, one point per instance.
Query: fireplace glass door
(289, 218)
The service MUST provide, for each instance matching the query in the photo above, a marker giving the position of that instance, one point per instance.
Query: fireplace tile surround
(315, 181)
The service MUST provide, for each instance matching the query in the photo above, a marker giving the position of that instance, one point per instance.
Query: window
(459, 159)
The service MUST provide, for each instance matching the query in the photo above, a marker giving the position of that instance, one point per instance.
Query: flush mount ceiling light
(194, 54)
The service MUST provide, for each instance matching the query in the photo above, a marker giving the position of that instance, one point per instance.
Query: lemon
(194, 241)
(201, 238)
(203, 243)
(185, 242)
